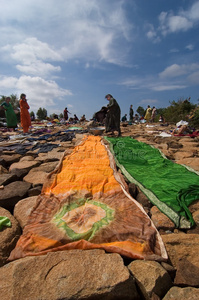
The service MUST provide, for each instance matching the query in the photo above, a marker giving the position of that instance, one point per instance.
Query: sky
(71, 53)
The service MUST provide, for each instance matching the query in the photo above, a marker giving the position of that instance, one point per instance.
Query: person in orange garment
(24, 113)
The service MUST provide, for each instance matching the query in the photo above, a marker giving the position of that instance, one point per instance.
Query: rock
(10, 159)
(20, 173)
(160, 220)
(2, 162)
(75, 274)
(3, 170)
(46, 167)
(174, 144)
(181, 155)
(142, 199)
(7, 178)
(36, 178)
(27, 158)
(8, 236)
(53, 155)
(194, 206)
(12, 193)
(183, 252)
(133, 190)
(196, 217)
(35, 191)
(192, 162)
(151, 278)
(187, 293)
(27, 165)
(23, 209)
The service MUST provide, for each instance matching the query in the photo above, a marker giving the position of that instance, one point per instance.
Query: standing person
(153, 114)
(113, 115)
(147, 116)
(24, 113)
(66, 112)
(131, 113)
(11, 118)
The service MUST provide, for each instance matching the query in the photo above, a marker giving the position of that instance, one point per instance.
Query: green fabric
(169, 186)
(4, 221)
(11, 118)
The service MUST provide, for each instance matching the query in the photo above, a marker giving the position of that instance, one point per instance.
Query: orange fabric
(24, 115)
(83, 206)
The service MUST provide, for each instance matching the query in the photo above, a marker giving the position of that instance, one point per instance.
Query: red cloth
(25, 116)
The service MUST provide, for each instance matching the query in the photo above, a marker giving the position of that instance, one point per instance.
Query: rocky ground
(92, 274)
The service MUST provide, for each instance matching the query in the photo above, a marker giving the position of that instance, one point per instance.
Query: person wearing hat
(112, 122)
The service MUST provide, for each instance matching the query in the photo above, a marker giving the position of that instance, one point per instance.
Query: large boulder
(10, 159)
(183, 252)
(74, 274)
(12, 193)
(160, 220)
(187, 293)
(151, 278)
(8, 236)
(7, 178)
(27, 165)
(23, 209)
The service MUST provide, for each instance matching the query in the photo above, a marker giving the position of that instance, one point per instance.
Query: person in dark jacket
(112, 122)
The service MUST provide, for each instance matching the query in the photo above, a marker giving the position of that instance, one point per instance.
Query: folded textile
(85, 204)
(161, 180)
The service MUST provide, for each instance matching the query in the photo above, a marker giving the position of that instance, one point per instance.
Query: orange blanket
(85, 204)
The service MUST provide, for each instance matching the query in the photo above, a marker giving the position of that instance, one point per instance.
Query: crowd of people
(109, 115)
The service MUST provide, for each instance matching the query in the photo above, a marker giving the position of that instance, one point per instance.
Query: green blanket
(169, 186)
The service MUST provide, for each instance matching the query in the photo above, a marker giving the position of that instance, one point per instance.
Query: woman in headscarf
(112, 121)
(11, 118)
(24, 113)
(147, 116)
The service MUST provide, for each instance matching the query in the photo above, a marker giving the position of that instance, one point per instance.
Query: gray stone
(8, 236)
(12, 193)
(74, 274)
(151, 278)
(187, 293)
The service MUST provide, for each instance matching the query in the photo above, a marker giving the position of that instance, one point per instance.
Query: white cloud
(194, 78)
(90, 30)
(40, 92)
(190, 47)
(171, 87)
(149, 101)
(176, 70)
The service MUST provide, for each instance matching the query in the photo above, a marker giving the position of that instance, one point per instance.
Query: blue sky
(71, 53)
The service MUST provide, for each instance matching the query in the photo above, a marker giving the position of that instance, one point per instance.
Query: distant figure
(100, 115)
(153, 115)
(11, 118)
(112, 121)
(83, 118)
(75, 118)
(124, 118)
(161, 119)
(136, 119)
(147, 116)
(24, 113)
(131, 113)
(66, 112)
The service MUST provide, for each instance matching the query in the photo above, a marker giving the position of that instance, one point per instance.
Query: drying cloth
(85, 204)
(169, 186)
(4, 221)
